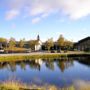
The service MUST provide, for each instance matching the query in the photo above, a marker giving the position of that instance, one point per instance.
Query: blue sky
(21, 19)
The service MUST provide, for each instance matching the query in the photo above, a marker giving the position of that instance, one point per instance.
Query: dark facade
(3, 44)
(82, 44)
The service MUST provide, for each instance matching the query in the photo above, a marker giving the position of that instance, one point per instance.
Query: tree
(12, 42)
(68, 44)
(49, 43)
(64, 43)
(21, 43)
(3, 40)
(60, 41)
(32, 43)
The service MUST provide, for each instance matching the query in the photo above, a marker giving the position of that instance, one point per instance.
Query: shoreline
(33, 56)
(40, 53)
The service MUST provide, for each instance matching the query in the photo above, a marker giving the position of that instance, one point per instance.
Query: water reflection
(64, 65)
(83, 60)
(50, 64)
(55, 72)
(37, 64)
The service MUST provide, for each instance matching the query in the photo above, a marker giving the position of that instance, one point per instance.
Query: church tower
(38, 38)
(39, 45)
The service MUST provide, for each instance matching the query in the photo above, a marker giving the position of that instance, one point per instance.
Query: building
(3, 44)
(82, 44)
(38, 47)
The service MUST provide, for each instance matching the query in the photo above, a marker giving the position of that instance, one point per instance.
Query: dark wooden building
(3, 44)
(82, 44)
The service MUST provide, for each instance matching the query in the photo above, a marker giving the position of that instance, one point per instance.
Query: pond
(61, 73)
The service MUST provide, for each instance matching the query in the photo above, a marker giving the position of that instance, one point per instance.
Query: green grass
(75, 52)
(55, 51)
(27, 57)
(41, 56)
(16, 49)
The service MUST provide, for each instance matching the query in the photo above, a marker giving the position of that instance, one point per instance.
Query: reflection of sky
(46, 75)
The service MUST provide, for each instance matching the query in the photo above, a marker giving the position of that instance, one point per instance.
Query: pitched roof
(85, 39)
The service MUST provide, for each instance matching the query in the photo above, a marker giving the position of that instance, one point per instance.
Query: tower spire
(38, 37)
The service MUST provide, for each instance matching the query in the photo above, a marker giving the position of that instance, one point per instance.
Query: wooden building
(3, 44)
(82, 44)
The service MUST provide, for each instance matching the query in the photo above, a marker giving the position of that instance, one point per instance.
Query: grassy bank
(27, 57)
(16, 85)
(16, 50)
(55, 51)
(15, 57)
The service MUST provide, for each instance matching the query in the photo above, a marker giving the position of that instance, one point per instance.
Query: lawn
(16, 50)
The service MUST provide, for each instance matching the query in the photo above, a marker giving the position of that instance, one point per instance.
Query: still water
(62, 73)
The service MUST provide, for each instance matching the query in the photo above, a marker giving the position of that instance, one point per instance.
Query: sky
(48, 18)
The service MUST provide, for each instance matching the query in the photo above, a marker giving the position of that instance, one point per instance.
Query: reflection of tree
(3, 65)
(34, 65)
(12, 66)
(64, 64)
(61, 66)
(22, 64)
(50, 65)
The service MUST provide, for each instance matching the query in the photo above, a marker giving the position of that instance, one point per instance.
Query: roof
(85, 39)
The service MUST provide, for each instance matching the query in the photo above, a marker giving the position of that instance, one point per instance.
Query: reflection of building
(83, 60)
(82, 44)
(39, 61)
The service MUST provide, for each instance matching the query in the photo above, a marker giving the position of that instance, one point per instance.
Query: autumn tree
(49, 43)
(64, 43)
(3, 40)
(68, 44)
(21, 43)
(12, 42)
(32, 43)
(60, 41)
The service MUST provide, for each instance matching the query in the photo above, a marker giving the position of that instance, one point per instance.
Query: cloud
(35, 20)
(39, 18)
(44, 15)
(12, 14)
(75, 9)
